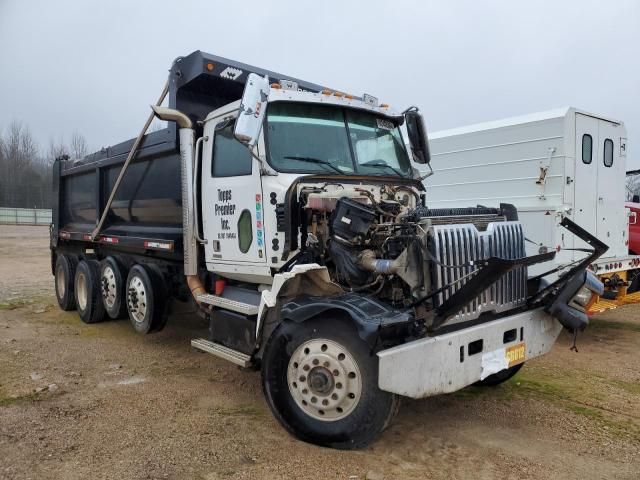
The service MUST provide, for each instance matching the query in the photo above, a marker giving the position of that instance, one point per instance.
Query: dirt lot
(97, 401)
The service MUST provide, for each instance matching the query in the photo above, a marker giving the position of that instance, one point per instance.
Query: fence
(25, 216)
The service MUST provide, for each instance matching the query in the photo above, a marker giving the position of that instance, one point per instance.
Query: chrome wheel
(324, 379)
(108, 285)
(137, 299)
(81, 291)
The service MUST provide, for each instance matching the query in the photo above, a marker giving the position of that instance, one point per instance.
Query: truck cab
(326, 136)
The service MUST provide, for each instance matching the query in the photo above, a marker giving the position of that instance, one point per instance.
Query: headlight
(591, 288)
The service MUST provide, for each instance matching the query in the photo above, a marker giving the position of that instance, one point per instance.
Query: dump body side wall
(147, 206)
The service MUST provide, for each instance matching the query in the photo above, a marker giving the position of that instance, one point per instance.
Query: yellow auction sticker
(516, 354)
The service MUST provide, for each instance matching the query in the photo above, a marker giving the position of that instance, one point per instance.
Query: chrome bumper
(446, 363)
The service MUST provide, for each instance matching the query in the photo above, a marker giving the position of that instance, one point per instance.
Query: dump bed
(147, 209)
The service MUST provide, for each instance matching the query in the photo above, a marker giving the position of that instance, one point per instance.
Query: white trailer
(563, 162)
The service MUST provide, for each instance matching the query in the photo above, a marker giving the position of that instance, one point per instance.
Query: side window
(245, 231)
(230, 157)
(587, 148)
(608, 152)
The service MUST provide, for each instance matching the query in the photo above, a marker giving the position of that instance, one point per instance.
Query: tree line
(26, 169)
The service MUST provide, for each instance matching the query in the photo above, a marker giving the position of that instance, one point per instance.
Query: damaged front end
(454, 356)
(566, 299)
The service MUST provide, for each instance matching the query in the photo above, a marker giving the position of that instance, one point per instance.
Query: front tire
(321, 382)
(87, 292)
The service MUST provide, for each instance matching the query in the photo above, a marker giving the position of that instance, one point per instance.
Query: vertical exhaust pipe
(190, 247)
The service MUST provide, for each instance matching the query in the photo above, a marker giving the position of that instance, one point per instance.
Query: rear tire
(112, 288)
(500, 377)
(87, 292)
(65, 271)
(146, 299)
(321, 383)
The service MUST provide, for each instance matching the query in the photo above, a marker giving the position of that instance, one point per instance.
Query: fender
(372, 319)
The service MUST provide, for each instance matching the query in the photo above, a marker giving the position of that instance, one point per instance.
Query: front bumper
(443, 363)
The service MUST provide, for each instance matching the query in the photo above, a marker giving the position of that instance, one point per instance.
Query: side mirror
(253, 107)
(417, 136)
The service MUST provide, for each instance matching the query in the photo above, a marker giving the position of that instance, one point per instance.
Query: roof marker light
(370, 99)
(289, 85)
(210, 67)
(276, 86)
(326, 92)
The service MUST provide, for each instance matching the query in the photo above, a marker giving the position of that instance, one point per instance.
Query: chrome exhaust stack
(190, 247)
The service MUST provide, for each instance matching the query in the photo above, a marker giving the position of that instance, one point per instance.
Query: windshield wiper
(382, 164)
(315, 160)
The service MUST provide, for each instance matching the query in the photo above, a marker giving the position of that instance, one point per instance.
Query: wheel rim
(108, 283)
(137, 299)
(324, 380)
(61, 284)
(81, 291)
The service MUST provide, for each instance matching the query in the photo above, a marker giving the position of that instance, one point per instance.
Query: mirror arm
(265, 169)
(428, 174)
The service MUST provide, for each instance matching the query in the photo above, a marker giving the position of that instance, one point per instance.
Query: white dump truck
(563, 163)
(292, 217)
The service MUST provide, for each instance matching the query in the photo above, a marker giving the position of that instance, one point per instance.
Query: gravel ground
(97, 401)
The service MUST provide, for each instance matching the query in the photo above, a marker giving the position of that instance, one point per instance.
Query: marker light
(210, 67)
(289, 85)
(370, 99)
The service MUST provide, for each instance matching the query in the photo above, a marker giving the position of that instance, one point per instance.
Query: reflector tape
(158, 245)
(113, 240)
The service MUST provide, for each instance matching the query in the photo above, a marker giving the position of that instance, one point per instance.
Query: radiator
(453, 246)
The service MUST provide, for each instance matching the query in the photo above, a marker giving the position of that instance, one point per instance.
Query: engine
(384, 242)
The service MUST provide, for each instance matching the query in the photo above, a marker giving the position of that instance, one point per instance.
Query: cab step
(221, 351)
(228, 304)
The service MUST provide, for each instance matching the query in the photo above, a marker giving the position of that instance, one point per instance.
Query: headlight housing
(591, 288)
(572, 301)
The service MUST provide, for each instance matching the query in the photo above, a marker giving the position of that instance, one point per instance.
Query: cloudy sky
(95, 66)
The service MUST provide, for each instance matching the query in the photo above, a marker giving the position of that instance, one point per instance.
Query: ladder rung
(221, 351)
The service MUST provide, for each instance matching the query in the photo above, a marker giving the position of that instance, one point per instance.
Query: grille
(454, 245)
(481, 222)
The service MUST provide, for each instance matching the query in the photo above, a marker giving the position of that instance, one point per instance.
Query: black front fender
(371, 318)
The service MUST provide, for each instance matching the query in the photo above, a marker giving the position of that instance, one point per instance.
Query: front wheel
(321, 382)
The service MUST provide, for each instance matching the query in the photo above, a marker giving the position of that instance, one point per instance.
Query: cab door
(231, 195)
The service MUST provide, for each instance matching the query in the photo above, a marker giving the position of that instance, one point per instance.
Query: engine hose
(368, 261)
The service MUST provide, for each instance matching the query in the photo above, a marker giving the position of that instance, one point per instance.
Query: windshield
(313, 138)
